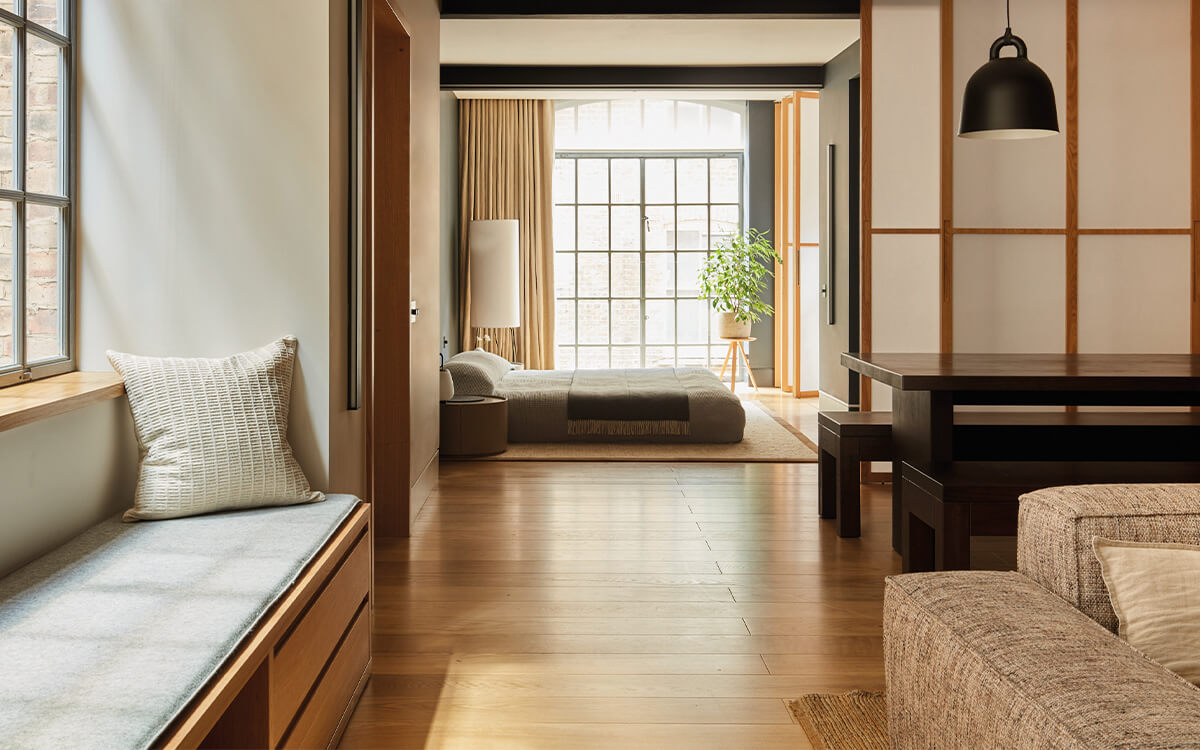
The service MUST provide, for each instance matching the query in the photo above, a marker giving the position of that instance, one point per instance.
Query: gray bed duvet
(684, 405)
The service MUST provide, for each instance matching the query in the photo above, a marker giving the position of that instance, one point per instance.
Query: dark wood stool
(845, 440)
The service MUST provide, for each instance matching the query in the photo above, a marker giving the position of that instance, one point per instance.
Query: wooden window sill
(41, 399)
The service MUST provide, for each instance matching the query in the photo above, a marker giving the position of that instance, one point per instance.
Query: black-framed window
(631, 231)
(37, 146)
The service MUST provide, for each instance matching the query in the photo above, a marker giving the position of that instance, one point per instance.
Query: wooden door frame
(384, 226)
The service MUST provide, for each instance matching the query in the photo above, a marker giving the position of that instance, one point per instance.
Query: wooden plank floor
(608, 605)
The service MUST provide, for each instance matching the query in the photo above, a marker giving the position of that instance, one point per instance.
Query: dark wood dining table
(927, 387)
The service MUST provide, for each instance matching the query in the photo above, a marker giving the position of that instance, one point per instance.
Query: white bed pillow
(213, 432)
(477, 373)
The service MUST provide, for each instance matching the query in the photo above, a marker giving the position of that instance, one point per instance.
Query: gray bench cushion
(105, 640)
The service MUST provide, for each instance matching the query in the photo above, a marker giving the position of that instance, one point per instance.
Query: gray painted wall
(448, 233)
(835, 128)
(760, 214)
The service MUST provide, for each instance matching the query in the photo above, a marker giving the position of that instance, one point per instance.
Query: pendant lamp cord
(1008, 14)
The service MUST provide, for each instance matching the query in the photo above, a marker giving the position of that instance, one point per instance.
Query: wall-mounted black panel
(719, 8)
(464, 77)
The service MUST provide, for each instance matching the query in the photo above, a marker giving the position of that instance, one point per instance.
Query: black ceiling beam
(485, 77)
(714, 8)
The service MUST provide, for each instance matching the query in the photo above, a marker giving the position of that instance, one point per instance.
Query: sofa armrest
(991, 660)
(1056, 527)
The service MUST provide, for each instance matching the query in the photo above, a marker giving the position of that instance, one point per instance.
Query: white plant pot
(728, 327)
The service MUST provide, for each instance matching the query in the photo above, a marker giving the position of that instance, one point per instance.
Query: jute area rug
(767, 439)
(853, 721)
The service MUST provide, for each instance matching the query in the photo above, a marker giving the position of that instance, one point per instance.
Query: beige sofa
(1029, 659)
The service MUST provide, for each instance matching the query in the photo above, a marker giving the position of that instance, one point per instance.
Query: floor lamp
(495, 275)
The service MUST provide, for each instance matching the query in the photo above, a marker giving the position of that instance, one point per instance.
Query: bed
(657, 405)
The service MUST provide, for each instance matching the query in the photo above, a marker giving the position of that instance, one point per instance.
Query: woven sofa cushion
(213, 432)
(1056, 527)
(477, 373)
(989, 660)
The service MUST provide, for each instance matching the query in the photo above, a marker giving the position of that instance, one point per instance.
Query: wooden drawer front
(324, 710)
(302, 655)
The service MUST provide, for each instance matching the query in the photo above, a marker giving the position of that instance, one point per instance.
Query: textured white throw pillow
(1155, 591)
(213, 432)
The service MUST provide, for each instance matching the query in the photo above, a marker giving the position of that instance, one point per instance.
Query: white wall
(204, 187)
(204, 228)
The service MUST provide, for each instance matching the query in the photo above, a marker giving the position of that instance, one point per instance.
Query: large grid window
(630, 234)
(36, 144)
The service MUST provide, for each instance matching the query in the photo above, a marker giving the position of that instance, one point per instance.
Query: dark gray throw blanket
(627, 402)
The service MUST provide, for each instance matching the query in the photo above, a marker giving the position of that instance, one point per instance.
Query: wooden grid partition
(1018, 241)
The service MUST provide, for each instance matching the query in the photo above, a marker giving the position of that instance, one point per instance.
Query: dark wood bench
(847, 438)
(944, 507)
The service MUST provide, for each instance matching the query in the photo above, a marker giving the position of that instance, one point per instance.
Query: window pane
(593, 227)
(564, 180)
(9, 5)
(626, 275)
(626, 181)
(593, 322)
(660, 356)
(692, 180)
(7, 323)
(660, 228)
(48, 13)
(8, 40)
(593, 180)
(626, 357)
(724, 180)
(42, 117)
(593, 274)
(660, 275)
(592, 120)
(688, 273)
(692, 230)
(564, 358)
(726, 222)
(627, 322)
(42, 306)
(692, 321)
(692, 356)
(564, 322)
(564, 228)
(626, 228)
(660, 180)
(593, 358)
(564, 274)
(660, 321)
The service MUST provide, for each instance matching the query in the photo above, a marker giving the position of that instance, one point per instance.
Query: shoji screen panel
(1009, 293)
(905, 95)
(1014, 184)
(1134, 114)
(904, 310)
(808, 243)
(1134, 294)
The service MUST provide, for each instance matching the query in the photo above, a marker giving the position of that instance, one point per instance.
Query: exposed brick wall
(42, 282)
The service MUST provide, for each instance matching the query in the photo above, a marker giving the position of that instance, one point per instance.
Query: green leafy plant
(735, 273)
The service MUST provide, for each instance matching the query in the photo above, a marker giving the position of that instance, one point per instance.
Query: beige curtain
(506, 163)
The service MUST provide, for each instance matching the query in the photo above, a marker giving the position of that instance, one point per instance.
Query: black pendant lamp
(1009, 97)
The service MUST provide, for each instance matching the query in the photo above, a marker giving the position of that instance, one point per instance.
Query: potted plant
(732, 280)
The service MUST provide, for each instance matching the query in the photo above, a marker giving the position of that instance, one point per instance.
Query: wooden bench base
(297, 677)
(944, 507)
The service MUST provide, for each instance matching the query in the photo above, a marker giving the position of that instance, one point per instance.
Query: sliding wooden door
(797, 236)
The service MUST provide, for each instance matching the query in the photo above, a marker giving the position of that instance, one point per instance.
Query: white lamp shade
(495, 273)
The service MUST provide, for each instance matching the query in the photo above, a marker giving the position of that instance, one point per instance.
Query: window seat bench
(244, 629)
